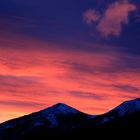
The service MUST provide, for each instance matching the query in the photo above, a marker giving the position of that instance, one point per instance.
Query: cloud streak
(127, 88)
(87, 95)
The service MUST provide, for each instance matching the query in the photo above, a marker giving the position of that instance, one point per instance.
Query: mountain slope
(124, 116)
(55, 119)
(63, 120)
(128, 107)
(52, 117)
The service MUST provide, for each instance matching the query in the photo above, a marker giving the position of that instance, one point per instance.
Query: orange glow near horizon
(32, 79)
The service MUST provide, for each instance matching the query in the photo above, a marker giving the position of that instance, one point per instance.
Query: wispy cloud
(127, 88)
(87, 95)
(20, 103)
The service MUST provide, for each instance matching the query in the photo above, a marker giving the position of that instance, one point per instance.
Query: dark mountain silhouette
(63, 121)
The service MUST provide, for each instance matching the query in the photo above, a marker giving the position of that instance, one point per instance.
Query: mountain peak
(128, 107)
(61, 108)
(60, 105)
(51, 114)
(58, 110)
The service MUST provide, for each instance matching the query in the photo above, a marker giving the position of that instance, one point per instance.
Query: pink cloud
(116, 15)
(91, 16)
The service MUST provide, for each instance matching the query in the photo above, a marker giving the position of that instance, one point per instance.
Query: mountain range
(63, 121)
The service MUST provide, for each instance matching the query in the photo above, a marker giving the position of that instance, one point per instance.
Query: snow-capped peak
(128, 107)
(60, 108)
(64, 108)
(51, 114)
(56, 110)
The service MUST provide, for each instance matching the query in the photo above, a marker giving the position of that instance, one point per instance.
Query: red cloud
(44, 76)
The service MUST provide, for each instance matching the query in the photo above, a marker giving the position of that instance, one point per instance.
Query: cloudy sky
(85, 53)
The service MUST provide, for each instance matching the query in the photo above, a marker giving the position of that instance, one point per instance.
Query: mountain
(55, 116)
(64, 121)
(128, 107)
(125, 116)
(125, 109)
(56, 119)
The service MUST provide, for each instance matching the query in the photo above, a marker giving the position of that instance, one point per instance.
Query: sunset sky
(85, 53)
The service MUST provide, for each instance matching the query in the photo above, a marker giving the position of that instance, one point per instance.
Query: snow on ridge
(60, 108)
(52, 112)
(128, 107)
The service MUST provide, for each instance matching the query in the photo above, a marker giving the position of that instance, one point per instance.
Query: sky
(84, 53)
